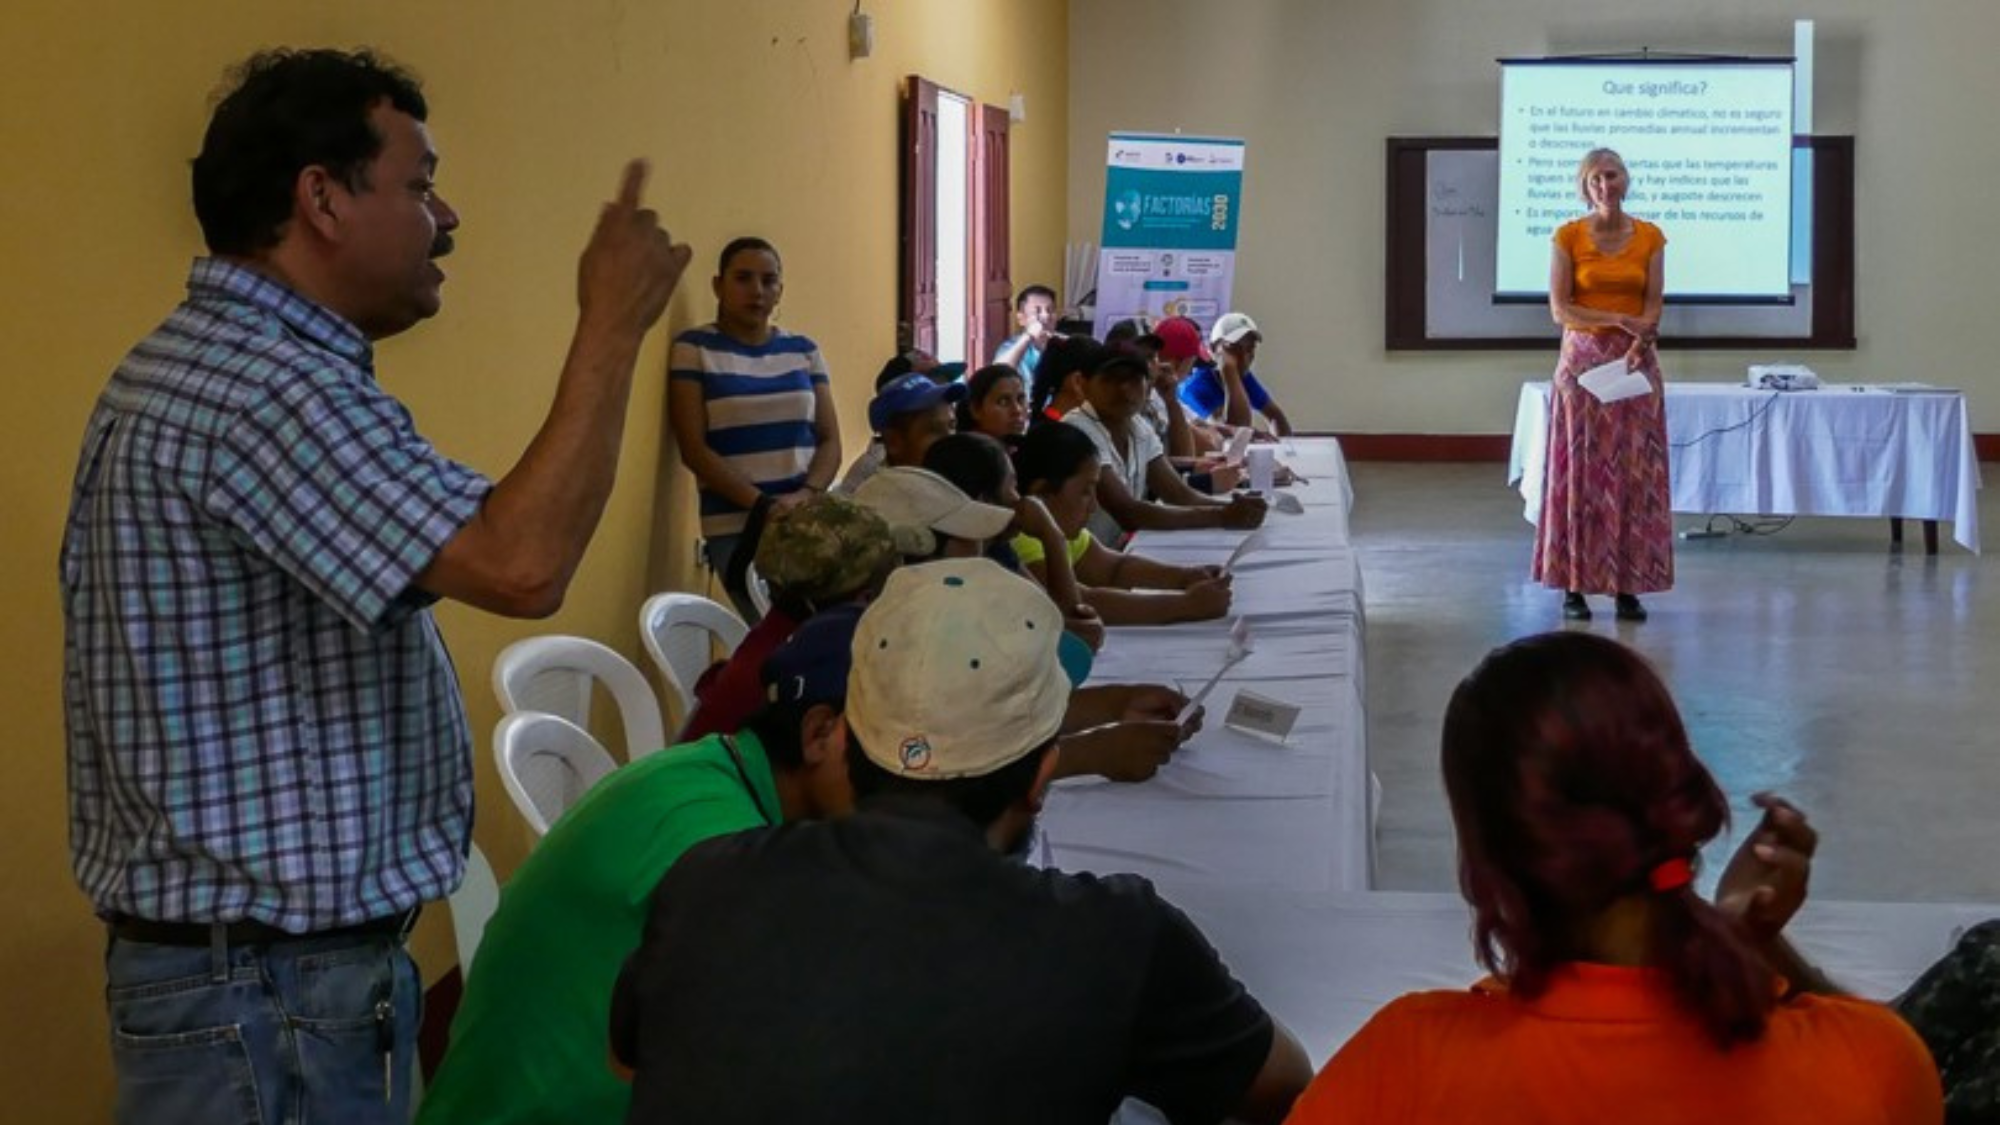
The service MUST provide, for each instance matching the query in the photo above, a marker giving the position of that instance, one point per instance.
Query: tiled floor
(1862, 682)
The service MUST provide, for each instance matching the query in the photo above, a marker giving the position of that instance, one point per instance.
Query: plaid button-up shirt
(262, 719)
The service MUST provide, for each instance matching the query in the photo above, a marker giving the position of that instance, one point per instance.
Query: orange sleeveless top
(1613, 283)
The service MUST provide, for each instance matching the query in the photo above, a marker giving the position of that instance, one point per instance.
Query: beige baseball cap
(911, 498)
(955, 671)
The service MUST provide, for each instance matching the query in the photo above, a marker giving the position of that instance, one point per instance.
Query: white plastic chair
(547, 764)
(681, 632)
(554, 674)
(472, 904)
(760, 591)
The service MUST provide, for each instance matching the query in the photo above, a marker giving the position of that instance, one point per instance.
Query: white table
(1324, 966)
(1231, 808)
(1837, 451)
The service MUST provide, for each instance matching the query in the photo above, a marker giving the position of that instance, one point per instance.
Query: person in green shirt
(530, 1041)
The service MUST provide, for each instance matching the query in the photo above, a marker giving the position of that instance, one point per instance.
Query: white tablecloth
(1837, 451)
(1234, 808)
(1324, 965)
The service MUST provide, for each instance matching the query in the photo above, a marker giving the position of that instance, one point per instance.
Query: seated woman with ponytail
(1618, 993)
(1057, 387)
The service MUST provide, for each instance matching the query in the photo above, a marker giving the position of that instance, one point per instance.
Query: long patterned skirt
(1606, 526)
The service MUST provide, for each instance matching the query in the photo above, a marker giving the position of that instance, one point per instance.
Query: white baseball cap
(955, 671)
(919, 499)
(1231, 327)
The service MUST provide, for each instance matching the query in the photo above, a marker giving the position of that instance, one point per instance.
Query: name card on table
(1261, 715)
(1287, 503)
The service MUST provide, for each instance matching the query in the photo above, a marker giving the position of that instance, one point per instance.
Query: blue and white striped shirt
(761, 410)
(262, 719)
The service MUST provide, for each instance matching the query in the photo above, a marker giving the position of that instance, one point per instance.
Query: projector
(1782, 377)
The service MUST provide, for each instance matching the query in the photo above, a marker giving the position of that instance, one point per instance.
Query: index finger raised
(632, 184)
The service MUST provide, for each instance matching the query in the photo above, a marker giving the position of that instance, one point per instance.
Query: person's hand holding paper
(1614, 382)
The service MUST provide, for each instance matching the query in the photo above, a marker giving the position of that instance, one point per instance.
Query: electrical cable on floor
(1763, 525)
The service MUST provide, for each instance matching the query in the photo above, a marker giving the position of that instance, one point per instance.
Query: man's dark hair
(776, 726)
(981, 799)
(898, 366)
(1021, 298)
(1050, 455)
(287, 111)
(977, 464)
(739, 245)
(1062, 358)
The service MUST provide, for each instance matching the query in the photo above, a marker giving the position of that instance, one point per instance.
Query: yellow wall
(756, 121)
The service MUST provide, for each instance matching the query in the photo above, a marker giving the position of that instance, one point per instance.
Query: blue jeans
(720, 550)
(299, 1032)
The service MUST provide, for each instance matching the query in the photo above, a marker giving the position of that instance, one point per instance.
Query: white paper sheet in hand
(1614, 382)
(1239, 647)
(1239, 444)
(1251, 542)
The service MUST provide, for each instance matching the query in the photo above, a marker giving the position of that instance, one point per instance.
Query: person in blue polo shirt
(1225, 390)
(1035, 312)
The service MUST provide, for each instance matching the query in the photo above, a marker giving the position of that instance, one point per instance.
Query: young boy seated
(1035, 313)
(908, 413)
(1134, 463)
(1226, 390)
(1172, 347)
(1162, 410)
(1059, 466)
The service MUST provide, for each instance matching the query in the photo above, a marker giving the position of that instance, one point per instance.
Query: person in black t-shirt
(895, 965)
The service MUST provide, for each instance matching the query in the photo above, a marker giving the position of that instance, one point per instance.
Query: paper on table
(1614, 382)
(1251, 542)
(1239, 647)
(1288, 503)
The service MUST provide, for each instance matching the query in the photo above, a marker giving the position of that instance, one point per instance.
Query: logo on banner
(1125, 209)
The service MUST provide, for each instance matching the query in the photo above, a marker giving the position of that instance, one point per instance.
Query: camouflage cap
(824, 549)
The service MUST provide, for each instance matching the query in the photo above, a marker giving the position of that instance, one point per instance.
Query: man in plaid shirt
(268, 757)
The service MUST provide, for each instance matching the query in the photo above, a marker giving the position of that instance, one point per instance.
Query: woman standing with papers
(1606, 527)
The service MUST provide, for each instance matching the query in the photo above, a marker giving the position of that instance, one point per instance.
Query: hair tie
(1671, 875)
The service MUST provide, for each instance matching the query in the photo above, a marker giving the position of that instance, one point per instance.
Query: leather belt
(250, 932)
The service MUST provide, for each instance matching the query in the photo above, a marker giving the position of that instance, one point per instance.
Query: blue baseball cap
(811, 666)
(910, 393)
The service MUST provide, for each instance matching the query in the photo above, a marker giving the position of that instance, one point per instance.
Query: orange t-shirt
(1613, 283)
(1611, 1044)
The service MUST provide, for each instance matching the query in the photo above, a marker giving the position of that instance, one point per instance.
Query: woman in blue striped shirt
(749, 404)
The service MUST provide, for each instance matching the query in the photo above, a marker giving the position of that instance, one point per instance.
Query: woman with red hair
(1617, 994)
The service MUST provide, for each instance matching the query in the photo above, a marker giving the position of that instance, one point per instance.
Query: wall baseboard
(1494, 447)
